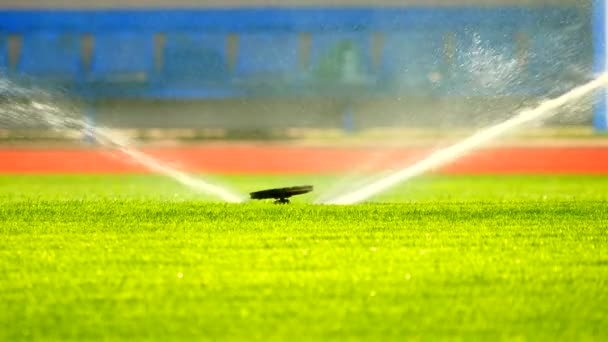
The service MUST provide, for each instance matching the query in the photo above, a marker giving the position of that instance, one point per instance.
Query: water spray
(439, 158)
(59, 119)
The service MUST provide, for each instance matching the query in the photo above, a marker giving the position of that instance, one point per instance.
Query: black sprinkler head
(281, 195)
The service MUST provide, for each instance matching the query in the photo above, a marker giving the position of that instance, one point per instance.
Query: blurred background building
(260, 66)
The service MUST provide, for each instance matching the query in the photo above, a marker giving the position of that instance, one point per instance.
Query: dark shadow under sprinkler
(281, 195)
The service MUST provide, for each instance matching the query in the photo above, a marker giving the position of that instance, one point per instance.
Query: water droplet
(408, 276)
(180, 275)
(372, 294)
(373, 249)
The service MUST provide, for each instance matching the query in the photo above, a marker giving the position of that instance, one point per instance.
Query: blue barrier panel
(122, 57)
(341, 51)
(414, 60)
(3, 52)
(342, 57)
(51, 55)
(267, 57)
(485, 62)
(194, 58)
(307, 19)
(600, 59)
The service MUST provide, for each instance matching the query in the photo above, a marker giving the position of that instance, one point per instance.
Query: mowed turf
(140, 257)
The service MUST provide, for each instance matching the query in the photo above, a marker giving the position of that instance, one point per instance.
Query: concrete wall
(260, 115)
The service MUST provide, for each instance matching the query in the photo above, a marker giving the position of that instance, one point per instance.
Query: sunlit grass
(139, 257)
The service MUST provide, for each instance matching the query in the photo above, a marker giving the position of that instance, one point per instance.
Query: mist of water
(489, 69)
(24, 105)
(439, 158)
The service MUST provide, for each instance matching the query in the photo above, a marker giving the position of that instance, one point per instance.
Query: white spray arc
(107, 138)
(439, 158)
(58, 119)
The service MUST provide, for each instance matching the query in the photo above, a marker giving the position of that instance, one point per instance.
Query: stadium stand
(421, 49)
(343, 54)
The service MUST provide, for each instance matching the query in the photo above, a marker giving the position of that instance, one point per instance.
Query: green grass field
(457, 258)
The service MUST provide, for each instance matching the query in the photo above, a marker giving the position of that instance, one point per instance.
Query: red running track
(293, 160)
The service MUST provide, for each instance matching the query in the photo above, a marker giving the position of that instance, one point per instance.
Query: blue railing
(181, 54)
